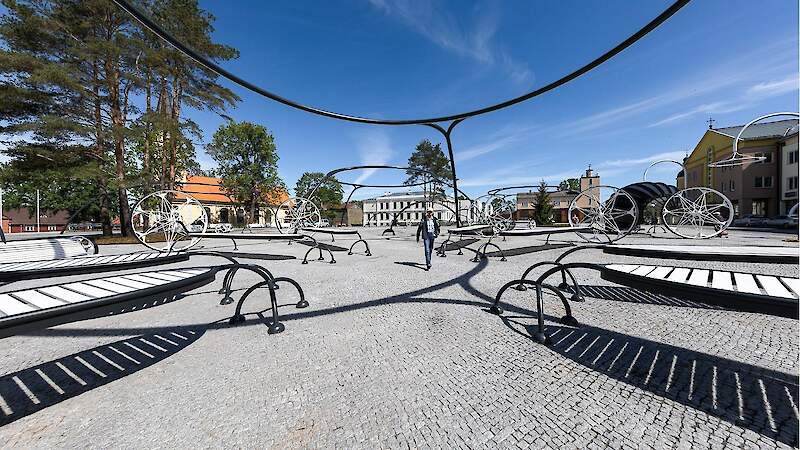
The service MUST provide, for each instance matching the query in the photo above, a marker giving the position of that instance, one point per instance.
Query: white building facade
(409, 208)
(789, 173)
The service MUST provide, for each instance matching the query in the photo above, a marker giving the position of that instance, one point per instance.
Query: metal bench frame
(101, 307)
(737, 300)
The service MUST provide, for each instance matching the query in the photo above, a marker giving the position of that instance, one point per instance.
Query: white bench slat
(699, 277)
(773, 287)
(679, 275)
(793, 283)
(148, 280)
(15, 303)
(11, 306)
(163, 276)
(130, 283)
(746, 283)
(38, 299)
(109, 286)
(64, 294)
(177, 273)
(721, 280)
(627, 268)
(88, 290)
(642, 270)
(660, 272)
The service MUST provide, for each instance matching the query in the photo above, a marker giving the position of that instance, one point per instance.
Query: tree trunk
(118, 124)
(177, 91)
(105, 206)
(253, 203)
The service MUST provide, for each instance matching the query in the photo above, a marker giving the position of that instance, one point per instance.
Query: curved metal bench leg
(300, 304)
(226, 286)
(275, 326)
(540, 336)
(442, 248)
(305, 257)
(366, 245)
(320, 258)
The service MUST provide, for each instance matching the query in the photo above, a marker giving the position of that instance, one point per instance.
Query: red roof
(210, 190)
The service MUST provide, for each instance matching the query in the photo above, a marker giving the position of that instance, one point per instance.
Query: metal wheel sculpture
(300, 212)
(163, 220)
(611, 213)
(499, 213)
(697, 213)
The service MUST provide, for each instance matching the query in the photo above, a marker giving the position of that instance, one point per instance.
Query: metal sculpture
(431, 178)
(163, 220)
(737, 159)
(611, 213)
(300, 213)
(433, 122)
(697, 213)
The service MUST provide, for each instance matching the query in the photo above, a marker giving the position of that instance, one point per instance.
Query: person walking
(429, 228)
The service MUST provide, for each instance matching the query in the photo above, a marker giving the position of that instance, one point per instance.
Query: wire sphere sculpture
(697, 213)
(300, 213)
(163, 220)
(611, 213)
(738, 159)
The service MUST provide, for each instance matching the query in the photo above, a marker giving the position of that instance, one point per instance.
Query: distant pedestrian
(429, 228)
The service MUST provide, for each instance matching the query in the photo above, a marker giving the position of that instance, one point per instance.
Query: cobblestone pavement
(391, 356)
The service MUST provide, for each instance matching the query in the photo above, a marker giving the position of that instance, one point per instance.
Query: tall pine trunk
(118, 126)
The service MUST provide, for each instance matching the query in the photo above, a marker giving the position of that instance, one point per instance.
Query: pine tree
(430, 158)
(543, 208)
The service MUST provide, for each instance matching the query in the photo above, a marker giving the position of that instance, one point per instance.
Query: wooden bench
(765, 294)
(772, 255)
(540, 231)
(289, 237)
(43, 307)
(87, 264)
(46, 249)
(470, 230)
(341, 232)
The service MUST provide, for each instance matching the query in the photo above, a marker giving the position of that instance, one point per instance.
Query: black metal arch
(210, 65)
(356, 186)
(433, 122)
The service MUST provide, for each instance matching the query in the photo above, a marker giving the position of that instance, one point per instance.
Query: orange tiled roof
(209, 189)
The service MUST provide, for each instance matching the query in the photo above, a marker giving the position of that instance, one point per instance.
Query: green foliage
(329, 192)
(430, 158)
(570, 184)
(247, 162)
(73, 77)
(543, 207)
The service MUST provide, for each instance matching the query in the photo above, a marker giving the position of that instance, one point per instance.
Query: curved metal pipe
(213, 67)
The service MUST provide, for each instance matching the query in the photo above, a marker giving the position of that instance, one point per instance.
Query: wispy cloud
(771, 88)
(432, 20)
(676, 155)
(375, 148)
(504, 138)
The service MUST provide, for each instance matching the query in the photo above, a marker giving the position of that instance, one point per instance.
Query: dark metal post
(446, 134)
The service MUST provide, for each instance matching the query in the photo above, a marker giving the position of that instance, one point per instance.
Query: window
(793, 157)
(759, 207)
(30, 228)
(766, 155)
(762, 182)
(722, 186)
(52, 228)
(792, 183)
(709, 158)
(731, 186)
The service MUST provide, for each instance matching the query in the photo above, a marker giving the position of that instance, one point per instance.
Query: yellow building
(753, 187)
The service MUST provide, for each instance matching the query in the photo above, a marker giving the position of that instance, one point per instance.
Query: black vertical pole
(446, 134)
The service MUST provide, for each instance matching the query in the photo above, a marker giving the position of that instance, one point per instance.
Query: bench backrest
(41, 250)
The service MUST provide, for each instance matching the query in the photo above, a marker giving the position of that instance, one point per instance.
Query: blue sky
(731, 60)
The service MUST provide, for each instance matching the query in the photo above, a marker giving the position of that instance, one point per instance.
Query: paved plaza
(388, 355)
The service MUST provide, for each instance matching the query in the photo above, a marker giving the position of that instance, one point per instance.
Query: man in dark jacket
(429, 228)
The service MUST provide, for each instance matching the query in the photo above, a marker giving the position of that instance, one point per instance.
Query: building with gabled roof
(221, 208)
(754, 187)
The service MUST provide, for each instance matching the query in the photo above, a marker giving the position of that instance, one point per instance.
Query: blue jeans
(428, 242)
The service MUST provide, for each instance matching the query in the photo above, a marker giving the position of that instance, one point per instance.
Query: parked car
(221, 227)
(324, 223)
(781, 222)
(255, 225)
(749, 220)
